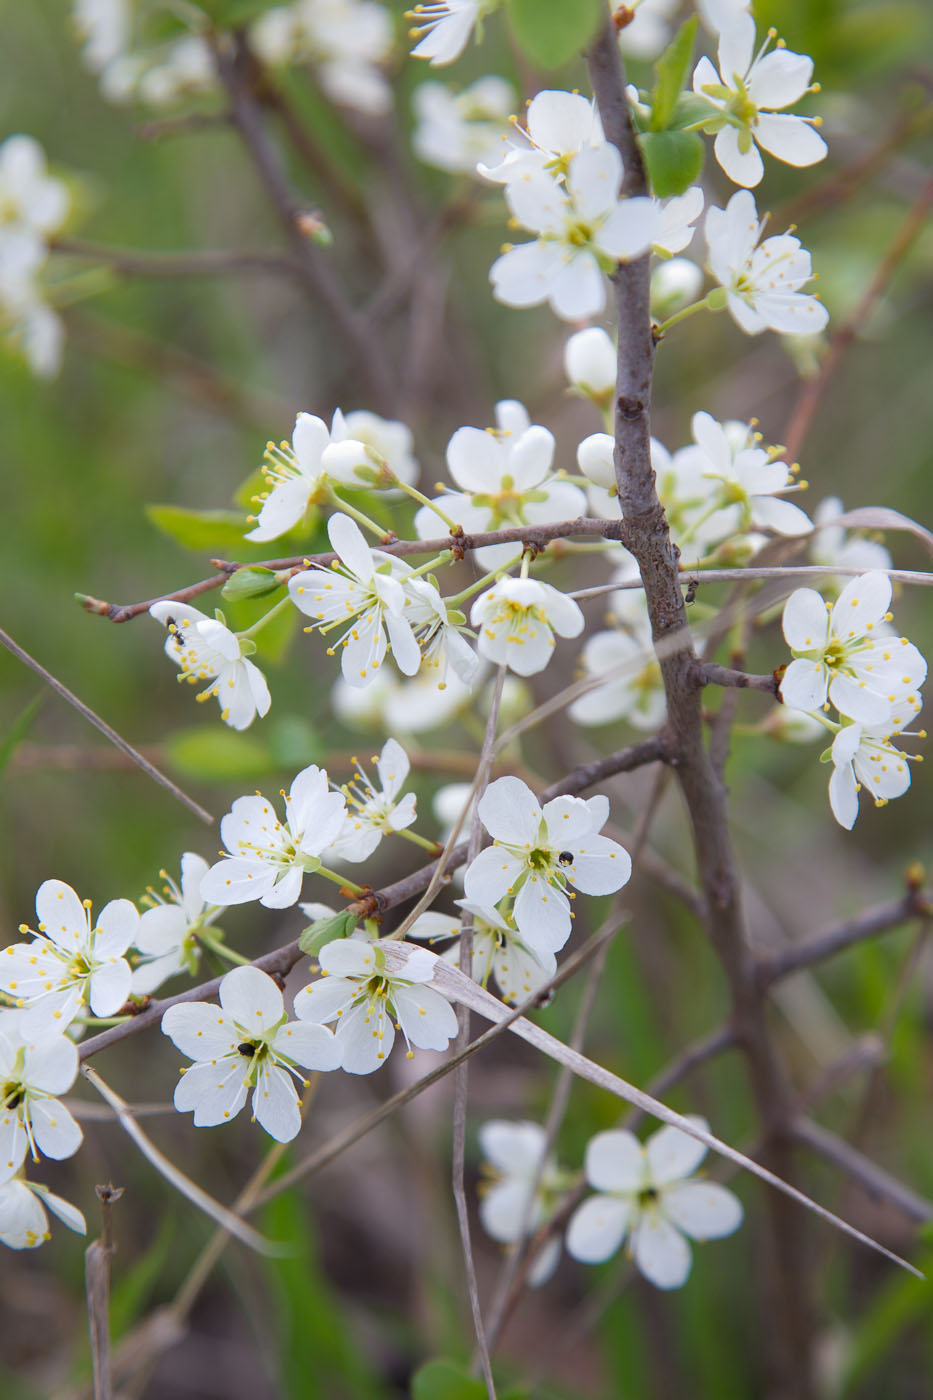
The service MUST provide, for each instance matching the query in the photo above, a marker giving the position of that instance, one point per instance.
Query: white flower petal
(311, 1046)
(275, 1103)
(702, 1209)
(251, 999)
(56, 1132)
(425, 1017)
(510, 812)
(200, 1031)
(598, 1228)
(615, 1162)
(660, 1251)
(673, 1154)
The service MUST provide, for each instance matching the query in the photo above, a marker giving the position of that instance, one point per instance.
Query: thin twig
(814, 390)
(874, 1180)
(97, 1259)
(105, 728)
(131, 262)
(914, 904)
(709, 673)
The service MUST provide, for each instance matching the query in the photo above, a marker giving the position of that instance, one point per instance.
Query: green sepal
(323, 931)
(827, 755)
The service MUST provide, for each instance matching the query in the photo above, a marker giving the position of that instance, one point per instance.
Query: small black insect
(565, 858)
(245, 1048)
(691, 593)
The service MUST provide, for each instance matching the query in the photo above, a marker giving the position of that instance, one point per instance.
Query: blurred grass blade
(19, 729)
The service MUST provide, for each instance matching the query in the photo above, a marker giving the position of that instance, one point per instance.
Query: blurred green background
(168, 394)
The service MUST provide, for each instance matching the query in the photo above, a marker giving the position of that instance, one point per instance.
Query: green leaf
(551, 32)
(672, 68)
(445, 1380)
(19, 729)
(206, 531)
(324, 931)
(674, 160)
(218, 754)
(250, 583)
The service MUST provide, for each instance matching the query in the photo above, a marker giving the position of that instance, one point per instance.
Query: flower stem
(481, 583)
(691, 310)
(266, 617)
(416, 495)
(339, 880)
(444, 557)
(378, 530)
(433, 846)
(216, 946)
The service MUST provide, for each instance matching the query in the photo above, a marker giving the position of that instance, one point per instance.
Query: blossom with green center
(517, 619)
(864, 757)
(205, 649)
(498, 950)
(357, 992)
(538, 853)
(650, 1194)
(246, 1043)
(843, 654)
(747, 94)
(73, 962)
(32, 1117)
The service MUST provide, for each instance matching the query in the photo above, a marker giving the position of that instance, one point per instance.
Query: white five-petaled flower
(371, 814)
(444, 28)
(75, 960)
(631, 687)
(843, 654)
(584, 229)
(23, 1221)
(864, 756)
(558, 125)
(267, 858)
(515, 1161)
(505, 478)
(457, 130)
(517, 619)
(298, 477)
(360, 594)
(357, 992)
(437, 630)
(30, 198)
(246, 1043)
(537, 854)
(749, 478)
(167, 933)
(831, 543)
(498, 951)
(649, 1193)
(205, 649)
(762, 284)
(346, 41)
(32, 1118)
(748, 92)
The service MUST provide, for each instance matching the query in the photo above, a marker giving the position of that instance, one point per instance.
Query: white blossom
(444, 28)
(104, 26)
(267, 858)
(437, 630)
(373, 813)
(505, 477)
(298, 476)
(844, 654)
(164, 74)
(649, 32)
(404, 707)
(167, 932)
(517, 619)
(583, 230)
(23, 1220)
(762, 283)
(30, 198)
(748, 93)
(390, 440)
(455, 131)
(537, 853)
(346, 41)
(205, 649)
(558, 125)
(356, 991)
(677, 218)
(516, 1164)
(28, 325)
(675, 283)
(632, 689)
(246, 1043)
(832, 544)
(32, 1117)
(650, 1194)
(74, 960)
(748, 477)
(591, 363)
(864, 756)
(498, 951)
(361, 593)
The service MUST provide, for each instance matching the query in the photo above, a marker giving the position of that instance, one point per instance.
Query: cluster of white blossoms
(648, 1197)
(33, 207)
(347, 43)
(847, 656)
(456, 131)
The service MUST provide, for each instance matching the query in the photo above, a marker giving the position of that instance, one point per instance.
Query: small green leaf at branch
(672, 69)
(323, 931)
(674, 160)
(205, 531)
(250, 582)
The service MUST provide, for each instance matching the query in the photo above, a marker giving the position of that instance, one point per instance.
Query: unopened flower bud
(311, 224)
(253, 582)
(595, 460)
(675, 283)
(590, 362)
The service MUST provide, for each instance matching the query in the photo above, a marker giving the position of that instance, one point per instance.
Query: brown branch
(709, 673)
(879, 1184)
(646, 534)
(105, 729)
(915, 904)
(132, 262)
(241, 77)
(813, 391)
